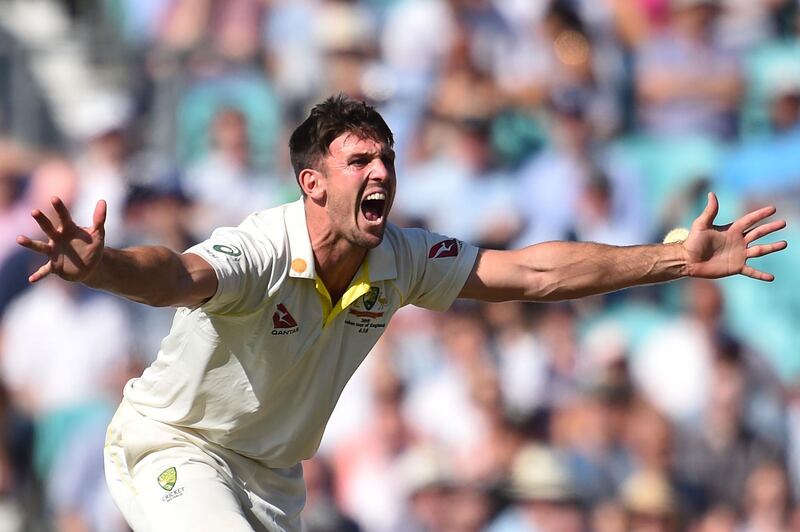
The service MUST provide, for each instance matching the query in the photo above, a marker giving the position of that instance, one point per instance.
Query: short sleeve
(246, 268)
(437, 268)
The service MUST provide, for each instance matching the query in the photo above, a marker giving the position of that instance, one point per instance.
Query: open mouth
(372, 206)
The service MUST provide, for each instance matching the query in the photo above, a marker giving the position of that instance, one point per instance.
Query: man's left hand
(719, 251)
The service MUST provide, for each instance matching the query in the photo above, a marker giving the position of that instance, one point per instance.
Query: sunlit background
(516, 121)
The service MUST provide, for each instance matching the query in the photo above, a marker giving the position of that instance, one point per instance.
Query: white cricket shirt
(259, 367)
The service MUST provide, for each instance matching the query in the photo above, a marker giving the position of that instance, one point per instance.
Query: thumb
(99, 217)
(706, 218)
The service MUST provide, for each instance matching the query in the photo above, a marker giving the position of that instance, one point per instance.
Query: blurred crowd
(665, 408)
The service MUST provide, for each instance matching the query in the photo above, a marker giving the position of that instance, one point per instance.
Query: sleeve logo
(445, 248)
(233, 251)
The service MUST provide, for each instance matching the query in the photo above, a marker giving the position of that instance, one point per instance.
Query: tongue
(372, 210)
(371, 214)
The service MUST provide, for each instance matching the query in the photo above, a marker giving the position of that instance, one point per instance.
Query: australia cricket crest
(366, 314)
(370, 298)
(168, 478)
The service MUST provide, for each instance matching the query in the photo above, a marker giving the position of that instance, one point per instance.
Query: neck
(336, 260)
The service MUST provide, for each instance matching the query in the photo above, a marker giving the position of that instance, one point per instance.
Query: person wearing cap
(543, 494)
(275, 315)
(650, 503)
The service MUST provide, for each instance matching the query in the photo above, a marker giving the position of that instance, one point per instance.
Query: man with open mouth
(275, 315)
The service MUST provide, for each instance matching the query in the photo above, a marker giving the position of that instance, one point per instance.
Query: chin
(369, 240)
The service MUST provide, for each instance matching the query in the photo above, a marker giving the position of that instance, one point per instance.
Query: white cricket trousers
(165, 478)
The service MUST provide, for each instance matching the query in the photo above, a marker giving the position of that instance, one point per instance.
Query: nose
(378, 170)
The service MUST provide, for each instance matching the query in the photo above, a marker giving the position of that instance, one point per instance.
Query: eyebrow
(381, 153)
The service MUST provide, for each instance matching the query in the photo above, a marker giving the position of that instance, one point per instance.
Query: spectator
(15, 162)
(320, 513)
(101, 159)
(650, 503)
(542, 493)
(767, 499)
(686, 82)
(428, 482)
(88, 341)
(722, 452)
(773, 157)
(366, 465)
(51, 176)
(573, 190)
(224, 183)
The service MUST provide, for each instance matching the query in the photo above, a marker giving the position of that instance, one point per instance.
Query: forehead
(349, 143)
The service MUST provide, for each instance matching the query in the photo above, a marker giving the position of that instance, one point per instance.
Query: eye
(387, 156)
(360, 162)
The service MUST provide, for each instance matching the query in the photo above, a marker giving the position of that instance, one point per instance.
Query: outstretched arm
(153, 275)
(555, 271)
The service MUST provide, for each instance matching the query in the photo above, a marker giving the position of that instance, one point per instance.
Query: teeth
(376, 196)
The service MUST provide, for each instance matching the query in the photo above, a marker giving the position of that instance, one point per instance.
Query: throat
(337, 270)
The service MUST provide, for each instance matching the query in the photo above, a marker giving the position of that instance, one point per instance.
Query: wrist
(675, 239)
(673, 262)
(682, 258)
(93, 277)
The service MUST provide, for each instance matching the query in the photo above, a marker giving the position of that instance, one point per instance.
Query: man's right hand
(73, 252)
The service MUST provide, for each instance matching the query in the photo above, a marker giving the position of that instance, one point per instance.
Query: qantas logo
(445, 248)
(283, 321)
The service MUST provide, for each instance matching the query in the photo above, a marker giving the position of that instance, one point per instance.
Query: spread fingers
(35, 245)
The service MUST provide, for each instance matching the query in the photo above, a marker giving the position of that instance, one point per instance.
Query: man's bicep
(497, 276)
(201, 281)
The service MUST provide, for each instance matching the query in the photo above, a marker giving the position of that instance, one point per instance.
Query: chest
(295, 325)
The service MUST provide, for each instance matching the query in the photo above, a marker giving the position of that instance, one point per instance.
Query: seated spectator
(428, 481)
(767, 499)
(650, 503)
(685, 81)
(573, 189)
(542, 493)
(65, 381)
(366, 464)
(770, 163)
(458, 189)
(224, 183)
(321, 513)
(721, 452)
(52, 176)
(16, 161)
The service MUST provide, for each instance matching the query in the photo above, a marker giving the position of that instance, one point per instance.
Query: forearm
(570, 270)
(554, 271)
(153, 275)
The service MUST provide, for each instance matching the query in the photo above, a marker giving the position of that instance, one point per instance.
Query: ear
(312, 183)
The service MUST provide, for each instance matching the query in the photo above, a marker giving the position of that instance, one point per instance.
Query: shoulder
(268, 224)
(405, 240)
(266, 229)
(420, 243)
(261, 238)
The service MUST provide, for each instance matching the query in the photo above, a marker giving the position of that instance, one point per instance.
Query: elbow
(155, 300)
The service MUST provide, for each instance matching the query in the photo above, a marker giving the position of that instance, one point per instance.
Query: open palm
(73, 252)
(718, 251)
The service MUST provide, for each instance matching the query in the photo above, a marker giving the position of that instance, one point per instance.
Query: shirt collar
(381, 259)
(301, 255)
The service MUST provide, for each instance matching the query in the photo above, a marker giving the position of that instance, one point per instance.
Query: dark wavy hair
(338, 114)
